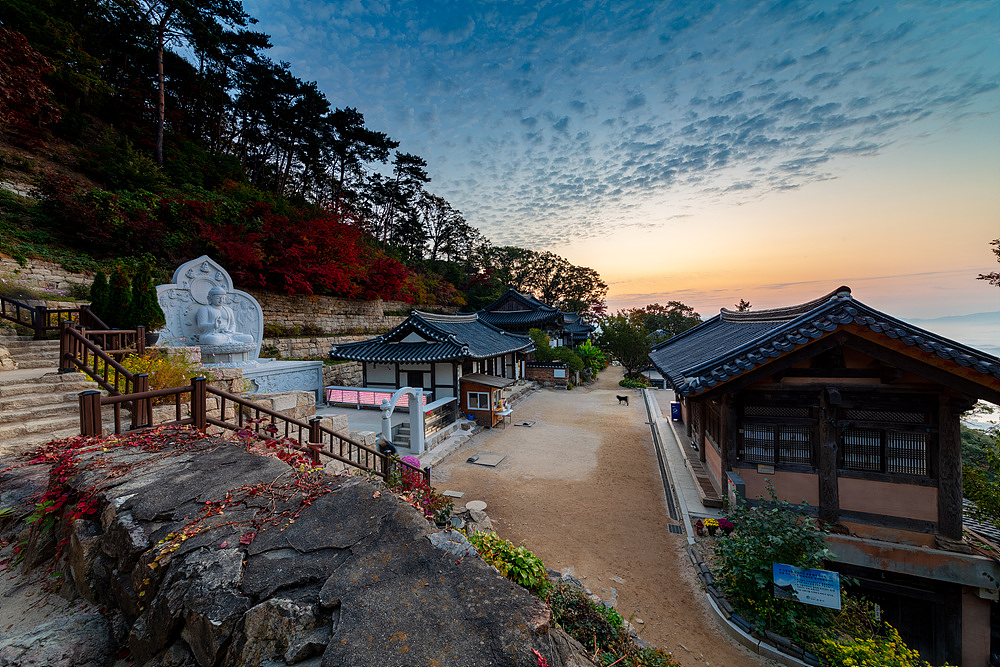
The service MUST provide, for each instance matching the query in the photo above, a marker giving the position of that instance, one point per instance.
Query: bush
(146, 309)
(772, 532)
(885, 649)
(99, 293)
(516, 563)
(633, 384)
(119, 308)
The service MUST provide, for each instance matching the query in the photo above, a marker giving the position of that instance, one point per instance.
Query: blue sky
(655, 141)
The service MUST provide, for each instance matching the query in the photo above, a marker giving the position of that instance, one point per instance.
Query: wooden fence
(247, 418)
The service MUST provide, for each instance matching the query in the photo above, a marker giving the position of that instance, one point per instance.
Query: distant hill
(978, 330)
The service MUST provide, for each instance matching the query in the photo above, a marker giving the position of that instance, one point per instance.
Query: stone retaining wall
(43, 276)
(331, 314)
(316, 347)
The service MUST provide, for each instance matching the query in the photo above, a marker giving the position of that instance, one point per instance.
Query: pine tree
(146, 309)
(119, 310)
(99, 295)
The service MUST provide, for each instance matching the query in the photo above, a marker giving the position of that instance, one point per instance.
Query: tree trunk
(161, 93)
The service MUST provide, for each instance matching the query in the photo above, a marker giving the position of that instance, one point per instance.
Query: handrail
(44, 319)
(75, 353)
(310, 436)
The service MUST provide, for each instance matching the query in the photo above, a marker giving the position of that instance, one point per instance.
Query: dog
(622, 399)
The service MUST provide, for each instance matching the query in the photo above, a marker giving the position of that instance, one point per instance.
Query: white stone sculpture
(203, 309)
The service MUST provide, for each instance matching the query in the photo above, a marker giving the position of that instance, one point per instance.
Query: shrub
(99, 293)
(165, 370)
(146, 309)
(633, 384)
(516, 563)
(119, 308)
(586, 621)
(885, 649)
(772, 532)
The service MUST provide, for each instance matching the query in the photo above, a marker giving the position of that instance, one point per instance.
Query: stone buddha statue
(216, 322)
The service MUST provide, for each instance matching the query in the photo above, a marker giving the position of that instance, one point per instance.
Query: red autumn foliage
(25, 100)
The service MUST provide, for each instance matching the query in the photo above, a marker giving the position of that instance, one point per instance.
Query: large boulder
(216, 556)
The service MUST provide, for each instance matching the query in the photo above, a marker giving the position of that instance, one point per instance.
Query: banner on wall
(817, 587)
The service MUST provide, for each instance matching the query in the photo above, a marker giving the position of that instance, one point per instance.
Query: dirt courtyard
(581, 488)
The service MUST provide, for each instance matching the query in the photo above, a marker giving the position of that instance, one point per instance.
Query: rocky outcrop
(212, 555)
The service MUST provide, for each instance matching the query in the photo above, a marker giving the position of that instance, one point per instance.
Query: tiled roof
(732, 342)
(519, 318)
(448, 337)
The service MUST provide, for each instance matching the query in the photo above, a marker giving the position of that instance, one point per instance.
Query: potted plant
(146, 311)
(700, 527)
(726, 525)
(712, 525)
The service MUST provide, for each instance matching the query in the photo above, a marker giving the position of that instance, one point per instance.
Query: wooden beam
(769, 368)
(829, 491)
(949, 469)
(728, 436)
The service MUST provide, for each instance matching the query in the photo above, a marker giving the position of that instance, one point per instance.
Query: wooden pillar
(140, 340)
(39, 320)
(729, 436)
(701, 439)
(688, 412)
(398, 386)
(90, 413)
(141, 416)
(65, 366)
(829, 488)
(949, 468)
(199, 403)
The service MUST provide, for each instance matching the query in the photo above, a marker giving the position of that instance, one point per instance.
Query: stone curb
(732, 623)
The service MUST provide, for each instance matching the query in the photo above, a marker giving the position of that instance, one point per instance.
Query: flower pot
(152, 337)
(712, 529)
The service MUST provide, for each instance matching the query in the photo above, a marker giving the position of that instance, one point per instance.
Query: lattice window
(713, 422)
(890, 442)
(775, 443)
(776, 411)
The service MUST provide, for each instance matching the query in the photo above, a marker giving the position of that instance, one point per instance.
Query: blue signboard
(818, 587)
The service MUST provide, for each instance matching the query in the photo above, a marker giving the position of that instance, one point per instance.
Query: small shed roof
(733, 342)
(487, 380)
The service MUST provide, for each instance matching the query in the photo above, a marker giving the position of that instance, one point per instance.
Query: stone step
(31, 406)
(26, 342)
(46, 384)
(31, 439)
(21, 395)
(40, 362)
(69, 420)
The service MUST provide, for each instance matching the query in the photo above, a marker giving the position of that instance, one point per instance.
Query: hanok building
(857, 413)
(518, 313)
(433, 352)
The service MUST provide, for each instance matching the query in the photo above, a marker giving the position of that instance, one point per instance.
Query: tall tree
(349, 148)
(665, 321)
(185, 22)
(623, 337)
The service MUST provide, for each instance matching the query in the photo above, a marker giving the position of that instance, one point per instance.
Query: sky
(694, 151)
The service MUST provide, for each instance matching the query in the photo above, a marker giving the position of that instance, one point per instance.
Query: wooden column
(199, 403)
(949, 468)
(829, 490)
(398, 386)
(701, 440)
(729, 436)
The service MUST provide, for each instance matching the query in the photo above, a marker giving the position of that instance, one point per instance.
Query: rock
(570, 580)
(453, 542)
(84, 640)
(274, 627)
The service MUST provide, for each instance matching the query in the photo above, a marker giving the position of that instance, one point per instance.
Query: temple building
(518, 313)
(856, 412)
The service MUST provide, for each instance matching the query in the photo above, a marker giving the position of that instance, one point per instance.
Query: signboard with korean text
(817, 587)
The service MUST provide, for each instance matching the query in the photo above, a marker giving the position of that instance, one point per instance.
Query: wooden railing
(247, 418)
(78, 353)
(43, 319)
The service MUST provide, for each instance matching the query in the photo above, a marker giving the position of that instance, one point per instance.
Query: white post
(417, 422)
(386, 421)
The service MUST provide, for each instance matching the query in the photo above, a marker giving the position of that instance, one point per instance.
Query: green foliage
(569, 357)
(99, 294)
(883, 649)
(772, 532)
(624, 339)
(981, 473)
(115, 162)
(587, 622)
(543, 349)
(146, 309)
(516, 563)
(637, 383)
(119, 301)
(593, 357)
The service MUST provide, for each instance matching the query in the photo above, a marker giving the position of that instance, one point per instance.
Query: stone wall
(331, 314)
(347, 374)
(316, 347)
(43, 276)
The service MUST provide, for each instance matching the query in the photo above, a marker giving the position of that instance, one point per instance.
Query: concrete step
(68, 420)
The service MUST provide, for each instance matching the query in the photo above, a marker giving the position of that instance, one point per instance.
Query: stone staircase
(36, 403)
(28, 353)
(402, 437)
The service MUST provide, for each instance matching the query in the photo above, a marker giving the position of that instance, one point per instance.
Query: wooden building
(433, 352)
(482, 397)
(857, 413)
(518, 313)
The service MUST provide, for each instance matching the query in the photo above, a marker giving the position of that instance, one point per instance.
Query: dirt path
(581, 488)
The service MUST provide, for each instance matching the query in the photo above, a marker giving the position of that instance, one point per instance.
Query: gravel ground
(581, 488)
